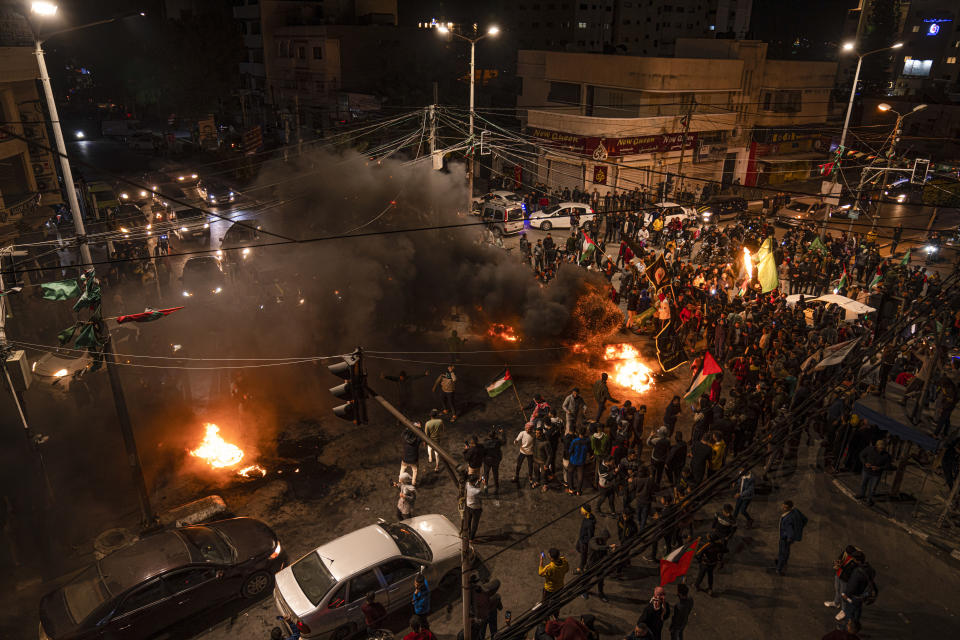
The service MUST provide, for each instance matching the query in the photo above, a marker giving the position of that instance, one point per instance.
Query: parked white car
(507, 197)
(671, 210)
(557, 216)
(324, 590)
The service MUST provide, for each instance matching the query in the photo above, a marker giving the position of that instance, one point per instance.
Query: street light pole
(65, 170)
(447, 29)
(849, 46)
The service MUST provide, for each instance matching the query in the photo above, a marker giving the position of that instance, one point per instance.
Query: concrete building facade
(719, 111)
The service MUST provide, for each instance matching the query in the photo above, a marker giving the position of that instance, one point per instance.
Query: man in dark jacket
(792, 523)
(655, 613)
(708, 556)
(671, 413)
(602, 395)
(411, 454)
(859, 588)
(700, 455)
(660, 447)
(597, 549)
(676, 458)
(875, 461)
(492, 455)
(588, 527)
(681, 612)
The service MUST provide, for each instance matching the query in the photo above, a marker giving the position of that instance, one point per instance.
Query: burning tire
(256, 584)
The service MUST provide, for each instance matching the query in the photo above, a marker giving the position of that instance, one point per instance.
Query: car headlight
(143, 194)
(232, 193)
(187, 294)
(181, 178)
(276, 551)
(125, 195)
(193, 175)
(901, 197)
(218, 290)
(183, 228)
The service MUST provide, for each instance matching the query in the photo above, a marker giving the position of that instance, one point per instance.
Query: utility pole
(683, 143)
(129, 441)
(296, 103)
(356, 389)
(473, 149)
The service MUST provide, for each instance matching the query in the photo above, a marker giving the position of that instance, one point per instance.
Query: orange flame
(216, 451)
(630, 372)
(502, 331)
(253, 471)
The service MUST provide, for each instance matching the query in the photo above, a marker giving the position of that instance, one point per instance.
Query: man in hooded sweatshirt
(588, 528)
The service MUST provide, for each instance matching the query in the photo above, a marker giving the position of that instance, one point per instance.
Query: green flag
(767, 272)
(87, 337)
(67, 334)
(817, 245)
(91, 292)
(906, 259)
(875, 281)
(60, 290)
(843, 280)
(765, 248)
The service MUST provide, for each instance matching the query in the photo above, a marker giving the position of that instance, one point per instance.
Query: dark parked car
(192, 224)
(725, 206)
(158, 581)
(203, 278)
(216, 193)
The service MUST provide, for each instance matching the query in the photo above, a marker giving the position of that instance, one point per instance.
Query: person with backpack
(792, 522)
(843, 566)
(861, 589)
(708, 556)
(492, 456)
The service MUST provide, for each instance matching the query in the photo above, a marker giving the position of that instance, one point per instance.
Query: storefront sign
(602, 148)
(600, 174)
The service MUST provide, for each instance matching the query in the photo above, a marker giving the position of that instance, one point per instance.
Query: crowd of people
(693, 282)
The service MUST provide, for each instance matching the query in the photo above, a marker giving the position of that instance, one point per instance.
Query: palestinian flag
(876, 280)
(148, 315)
(500, 384)
(843, 279)
(60, 290)
(677, 562)
(906, 259)
(817, 245)
(704, 378)
(588, 250)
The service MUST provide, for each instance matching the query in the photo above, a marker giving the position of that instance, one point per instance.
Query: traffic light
(920, 168)
(353, 390)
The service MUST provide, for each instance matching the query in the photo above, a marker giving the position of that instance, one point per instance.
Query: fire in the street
(629, 371)
(502, 331)
(216, 451)
(253, 471)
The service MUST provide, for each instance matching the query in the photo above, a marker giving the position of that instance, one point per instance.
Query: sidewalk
(923, 495)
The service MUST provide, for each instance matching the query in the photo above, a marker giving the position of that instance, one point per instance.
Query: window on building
(917, 68)
(952, 60)
(916, 28)
(783, 101)
(302, 52)
(318, 53)
(581, 25)
(564, 92)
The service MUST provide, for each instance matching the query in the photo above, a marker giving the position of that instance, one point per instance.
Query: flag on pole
(875, 281)
(905, 261)
(767, 267)
(148, 315)
(677, 562)
(704, 378)
(843, 279)
(60, 290)
(588, 250)
(817, 245)
(500, 384)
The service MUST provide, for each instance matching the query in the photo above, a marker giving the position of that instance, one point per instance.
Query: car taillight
(302, 627)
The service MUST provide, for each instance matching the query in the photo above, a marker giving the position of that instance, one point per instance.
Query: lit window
(917, 68)
(952, 60)
(916, 28)
(581, 25)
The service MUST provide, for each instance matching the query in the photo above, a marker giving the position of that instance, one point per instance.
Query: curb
(936, 543)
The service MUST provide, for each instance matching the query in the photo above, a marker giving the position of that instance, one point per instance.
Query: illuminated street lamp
(491, 31)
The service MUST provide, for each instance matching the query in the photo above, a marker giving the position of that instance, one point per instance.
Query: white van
(503, 218)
